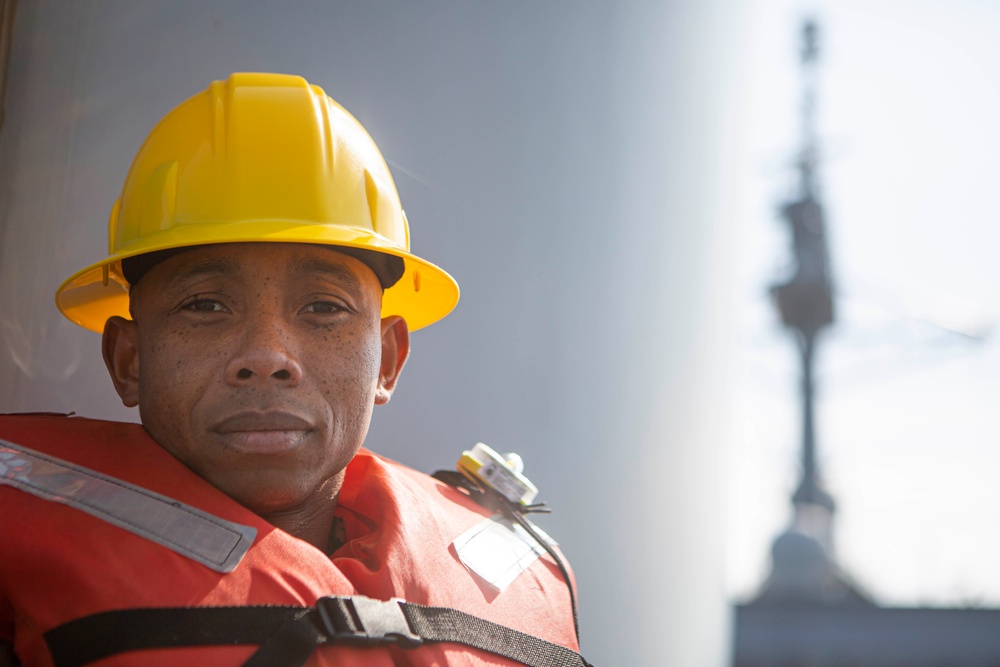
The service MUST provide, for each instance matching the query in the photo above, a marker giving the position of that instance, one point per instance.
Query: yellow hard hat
(258, 158)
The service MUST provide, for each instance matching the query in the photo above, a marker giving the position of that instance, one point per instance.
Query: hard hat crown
(258, 158)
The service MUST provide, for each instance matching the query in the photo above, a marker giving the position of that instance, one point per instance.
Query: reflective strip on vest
(198, 535)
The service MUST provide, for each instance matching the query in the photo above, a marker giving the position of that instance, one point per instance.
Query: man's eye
(322, 307)
(205, 306)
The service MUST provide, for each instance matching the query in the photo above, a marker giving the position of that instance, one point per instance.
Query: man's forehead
(221, 258)
(292, 259)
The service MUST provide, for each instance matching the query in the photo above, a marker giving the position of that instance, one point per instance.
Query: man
(256, 304)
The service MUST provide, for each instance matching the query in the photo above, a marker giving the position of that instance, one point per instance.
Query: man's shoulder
(58, 420)
(59, 431)
(122, 452)
(373, 479)
(114, 448)
(367, 464)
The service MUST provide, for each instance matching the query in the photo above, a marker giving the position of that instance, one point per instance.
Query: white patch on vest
(200, 536)
(497, 550)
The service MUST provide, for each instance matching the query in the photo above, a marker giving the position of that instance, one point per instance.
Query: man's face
(257, 365)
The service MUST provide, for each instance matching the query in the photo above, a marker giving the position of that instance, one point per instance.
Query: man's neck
(313, 520)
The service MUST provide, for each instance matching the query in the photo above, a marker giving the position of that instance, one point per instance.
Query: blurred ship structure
(808, 612)
(802, 557)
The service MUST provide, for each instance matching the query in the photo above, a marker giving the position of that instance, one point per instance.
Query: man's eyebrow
(340, 273)
(222, 265)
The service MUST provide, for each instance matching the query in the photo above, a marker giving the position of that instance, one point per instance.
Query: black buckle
(363, 620)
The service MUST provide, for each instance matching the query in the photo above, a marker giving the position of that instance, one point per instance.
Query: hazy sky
(910, 378)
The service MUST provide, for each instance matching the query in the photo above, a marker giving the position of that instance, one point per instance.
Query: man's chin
(264, 492)
(280, 493)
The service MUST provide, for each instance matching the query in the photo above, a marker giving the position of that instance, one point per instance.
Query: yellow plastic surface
(258, 158)
(510, 483)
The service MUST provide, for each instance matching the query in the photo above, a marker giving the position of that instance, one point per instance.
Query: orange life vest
(59, 564)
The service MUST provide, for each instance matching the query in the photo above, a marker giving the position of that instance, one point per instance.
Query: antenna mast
(803, 567)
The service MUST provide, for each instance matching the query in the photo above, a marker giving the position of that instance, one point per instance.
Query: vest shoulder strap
(205, 538)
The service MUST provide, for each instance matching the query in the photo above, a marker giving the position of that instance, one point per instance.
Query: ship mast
(802, 557)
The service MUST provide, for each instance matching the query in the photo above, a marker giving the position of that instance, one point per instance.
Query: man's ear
(120, 346)
(395, 350)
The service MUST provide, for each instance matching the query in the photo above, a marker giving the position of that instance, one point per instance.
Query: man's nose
(266, 354)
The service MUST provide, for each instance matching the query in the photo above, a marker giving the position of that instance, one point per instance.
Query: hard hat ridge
(259, 158)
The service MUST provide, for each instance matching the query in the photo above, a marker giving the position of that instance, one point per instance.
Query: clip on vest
(363, 620)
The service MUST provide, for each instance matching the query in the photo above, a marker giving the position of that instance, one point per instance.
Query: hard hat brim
(423, 295)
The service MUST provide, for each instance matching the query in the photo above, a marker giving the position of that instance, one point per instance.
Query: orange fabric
(58, 563)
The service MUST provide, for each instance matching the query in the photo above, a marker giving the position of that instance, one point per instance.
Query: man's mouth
(263, 432)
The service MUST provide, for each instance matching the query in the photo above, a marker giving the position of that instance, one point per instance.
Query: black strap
(440, 624)
(288, 635)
